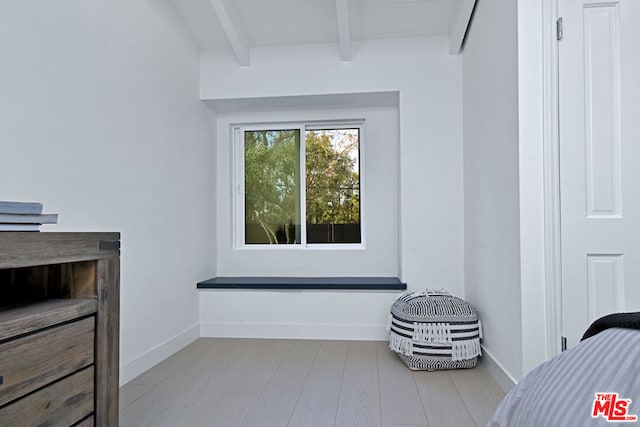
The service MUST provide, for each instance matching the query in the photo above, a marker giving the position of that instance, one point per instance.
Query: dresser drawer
(62, 403)
(33, 361)
(87, 422)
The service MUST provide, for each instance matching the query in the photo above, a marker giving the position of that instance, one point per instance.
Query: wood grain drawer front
(87, 422)
(33, 361)
(63, 403)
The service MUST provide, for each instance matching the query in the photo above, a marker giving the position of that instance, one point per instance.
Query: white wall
(380, 179)
(430, 109)
(430, 243)
(295, 314)
(101, 121)
(311, 314)
(536, 45)
(491, 179)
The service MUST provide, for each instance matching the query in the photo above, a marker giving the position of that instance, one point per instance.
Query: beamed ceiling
(244, 24)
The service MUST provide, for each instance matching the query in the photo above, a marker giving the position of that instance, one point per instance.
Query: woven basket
(432, 330)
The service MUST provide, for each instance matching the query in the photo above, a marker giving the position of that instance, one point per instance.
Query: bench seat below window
(311, 283)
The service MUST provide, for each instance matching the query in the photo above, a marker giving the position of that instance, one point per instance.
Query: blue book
(28, 219)
(24, 208)
(19, 227)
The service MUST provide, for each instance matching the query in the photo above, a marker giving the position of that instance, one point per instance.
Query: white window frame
(238, 214)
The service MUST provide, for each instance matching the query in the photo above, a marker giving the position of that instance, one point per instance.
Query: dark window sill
(311, 283)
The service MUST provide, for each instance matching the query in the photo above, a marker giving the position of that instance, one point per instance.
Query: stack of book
(24, 216)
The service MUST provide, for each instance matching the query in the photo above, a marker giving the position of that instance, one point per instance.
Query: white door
(599, 102)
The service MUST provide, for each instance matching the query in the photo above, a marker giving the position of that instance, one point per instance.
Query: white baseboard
(505, 381)
(356, 332)
(131, 369)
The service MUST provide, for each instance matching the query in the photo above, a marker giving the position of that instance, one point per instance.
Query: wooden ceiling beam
(344, 33)
(460, 19)
(233, 28)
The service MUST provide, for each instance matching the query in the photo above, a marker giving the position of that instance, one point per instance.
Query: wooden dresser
(59, 328)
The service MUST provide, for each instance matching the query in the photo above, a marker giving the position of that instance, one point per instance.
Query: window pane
(272, 186)
(333, 186)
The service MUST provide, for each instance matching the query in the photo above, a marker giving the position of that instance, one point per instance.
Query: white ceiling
(290, 22)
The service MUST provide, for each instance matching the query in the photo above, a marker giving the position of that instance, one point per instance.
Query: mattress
(593, 384)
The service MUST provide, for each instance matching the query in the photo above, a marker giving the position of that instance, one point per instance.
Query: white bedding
(561, 392)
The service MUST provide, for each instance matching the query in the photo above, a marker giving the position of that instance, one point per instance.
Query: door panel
(599, 160)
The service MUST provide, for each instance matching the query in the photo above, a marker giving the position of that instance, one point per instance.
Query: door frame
(551, 173)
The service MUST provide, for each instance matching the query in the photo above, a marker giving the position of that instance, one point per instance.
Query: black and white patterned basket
(433, 330)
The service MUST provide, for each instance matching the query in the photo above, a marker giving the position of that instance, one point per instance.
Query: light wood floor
(250, 382)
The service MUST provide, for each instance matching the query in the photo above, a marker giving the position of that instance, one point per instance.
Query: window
(298, 185)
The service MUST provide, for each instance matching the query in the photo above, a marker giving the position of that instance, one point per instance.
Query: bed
(593, 384)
